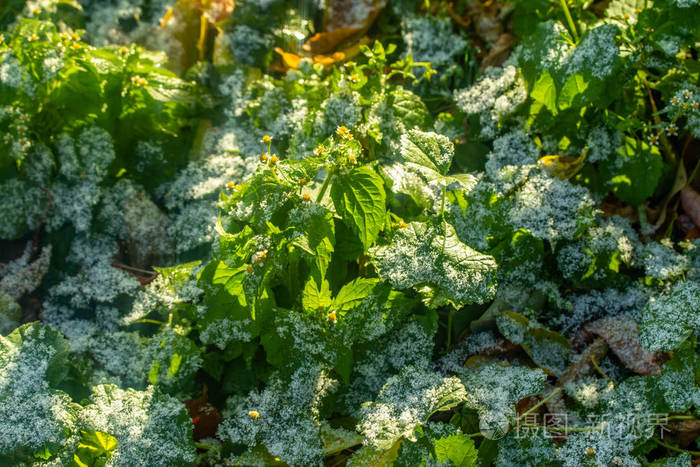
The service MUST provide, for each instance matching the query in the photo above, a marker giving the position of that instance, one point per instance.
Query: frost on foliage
(406, 345)
(32, 414)
(22, 207)
(174, 359)
(483, 217)
(119, 359)
(283, 417)
(493, 390)
(511, 161)
(663, 262)
(406, 401)
(596, 304)
(671, 317)
(24, 278)
(600, 250)
(427, 149)
(588, 390)
(429, 39)
(420, 254)
(625, 419)
(341, 108)
(477, 343)
(551, 209)
(677, 380)
(83, 164)
(597, 54)
(531, 448)
(153, 429)
(602, 144)
(497, 94)
(134, 218)
(96, 281)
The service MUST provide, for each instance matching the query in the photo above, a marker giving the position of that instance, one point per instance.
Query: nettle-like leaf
(151, 428)
(548, 349)
(458, 449)
(634, 174)
(677, 383)
(174, 360)
(669, 319)
(428, 150)
(359, 198)
(421, 254)
(33, 415)
(406, 401)
(283, 417)
(94, 449)
(494, 389)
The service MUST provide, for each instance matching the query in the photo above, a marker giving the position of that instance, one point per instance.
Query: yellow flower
(254, 414)
(352, 159)
(263, 157)
(332, 317)
(266, 139)
(274, 159)
(343, 132)
(249, 270)
(306, 198)
(33, 38)
(319, 150)
(302, 181)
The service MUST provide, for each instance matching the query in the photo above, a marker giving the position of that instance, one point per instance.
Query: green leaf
(410, 109)
(354, 292)
(359, 198)
(427, 149)
(635, 173)
(95, 448)
(544, 91)
(458, 449)
(574, 87)
(320, 231)
(315, 298)
(231, 278)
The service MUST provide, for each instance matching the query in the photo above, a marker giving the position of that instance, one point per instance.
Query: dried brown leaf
(690, 200)
(622, 335)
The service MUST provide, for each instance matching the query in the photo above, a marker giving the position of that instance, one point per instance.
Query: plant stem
(570, 20)
(326, 183)
(540, 403)
(673, 448)
(449, 329)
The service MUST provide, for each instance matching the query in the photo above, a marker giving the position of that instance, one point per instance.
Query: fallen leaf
(205, 417)
(563, 167)
(344, 19)
(690, 200)
(582, 365)
(622, 335)
(686, 430)
(290, 60)
(324, 42)
(499, 52)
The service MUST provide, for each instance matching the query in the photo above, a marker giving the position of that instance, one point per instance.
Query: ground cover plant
(362, 233)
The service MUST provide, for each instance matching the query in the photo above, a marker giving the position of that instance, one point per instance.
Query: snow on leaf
(671, 317)
(494, 389)
(406, 401)
(421, 254)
